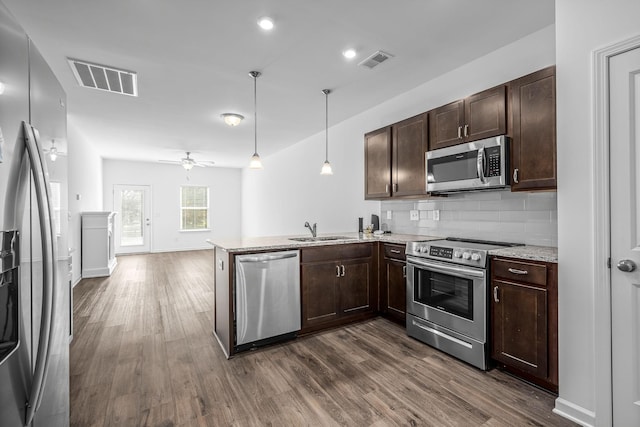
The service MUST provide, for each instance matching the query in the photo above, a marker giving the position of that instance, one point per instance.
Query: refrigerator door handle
(41, 181)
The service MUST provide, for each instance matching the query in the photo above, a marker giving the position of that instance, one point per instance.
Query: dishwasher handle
(267, 258)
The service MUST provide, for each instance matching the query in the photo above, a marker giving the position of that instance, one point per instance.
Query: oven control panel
(457, 255)
(440, 252)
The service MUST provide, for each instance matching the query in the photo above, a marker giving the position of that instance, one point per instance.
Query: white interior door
(133, 220)
(624, 88)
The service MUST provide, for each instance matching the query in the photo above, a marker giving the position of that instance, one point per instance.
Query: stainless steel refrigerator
(35, 313)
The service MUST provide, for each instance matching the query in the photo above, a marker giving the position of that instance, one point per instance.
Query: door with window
(624, 172)
(133, 220)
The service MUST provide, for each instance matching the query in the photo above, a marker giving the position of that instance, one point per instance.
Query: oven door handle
(446, 269)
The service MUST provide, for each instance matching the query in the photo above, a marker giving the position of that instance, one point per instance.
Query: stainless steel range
(447, 296)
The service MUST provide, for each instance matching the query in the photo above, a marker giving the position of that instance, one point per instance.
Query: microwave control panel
(493, 161)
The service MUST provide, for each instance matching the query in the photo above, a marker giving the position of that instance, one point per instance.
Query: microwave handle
(480, 164)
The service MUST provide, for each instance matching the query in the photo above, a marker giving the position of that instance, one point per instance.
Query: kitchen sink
(319, 239)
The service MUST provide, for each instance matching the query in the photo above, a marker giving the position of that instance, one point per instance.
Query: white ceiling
(193, 59)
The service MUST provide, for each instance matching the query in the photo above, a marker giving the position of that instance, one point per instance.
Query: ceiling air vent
(375, 59)
(103, 77)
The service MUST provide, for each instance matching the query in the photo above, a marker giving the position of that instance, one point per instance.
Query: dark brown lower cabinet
(393, 289)
(338, 285)
(524, 319)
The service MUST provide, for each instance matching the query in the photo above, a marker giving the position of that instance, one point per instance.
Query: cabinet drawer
(524, 272)
(394, 251)
(336, 252)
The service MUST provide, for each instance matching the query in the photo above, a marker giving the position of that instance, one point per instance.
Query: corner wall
(289, 190)
(582, 26)
(85, 189)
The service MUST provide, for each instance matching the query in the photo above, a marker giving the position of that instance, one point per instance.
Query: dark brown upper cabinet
(395, 159)
(377, 163)
(533, 132)
(478, 116)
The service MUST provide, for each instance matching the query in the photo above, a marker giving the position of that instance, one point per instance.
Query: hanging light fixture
(53, 151)
(232, 119)
(326, 167)
(255, 163)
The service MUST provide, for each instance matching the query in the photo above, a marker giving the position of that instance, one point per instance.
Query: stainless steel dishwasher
(267, 298)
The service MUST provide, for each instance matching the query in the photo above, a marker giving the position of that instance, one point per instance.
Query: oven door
(448, 295)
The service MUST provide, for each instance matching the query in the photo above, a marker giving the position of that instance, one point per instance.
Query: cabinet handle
(459, 132)
(395, 187)
(394, 251)
(337, 271)
(515, 175)
(386, 188)
(404, 271)
(342, 267)
(495, 294)
(516, 271)
(466, 131)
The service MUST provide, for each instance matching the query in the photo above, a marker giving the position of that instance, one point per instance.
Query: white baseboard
(575, 413)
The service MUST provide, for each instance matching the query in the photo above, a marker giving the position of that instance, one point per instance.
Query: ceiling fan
(53, 151)
(189, 162)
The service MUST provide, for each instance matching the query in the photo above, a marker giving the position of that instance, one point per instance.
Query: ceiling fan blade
(174, 162)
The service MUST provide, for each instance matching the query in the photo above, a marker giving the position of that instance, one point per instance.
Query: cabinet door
(533, 149)
(377, 164)
(319, 294)
(355, 287)
(445, 125)
(409, 144)
(394, 289)
(519, 319)
(485, 114)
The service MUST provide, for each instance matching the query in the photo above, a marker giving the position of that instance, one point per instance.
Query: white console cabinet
(98, 249)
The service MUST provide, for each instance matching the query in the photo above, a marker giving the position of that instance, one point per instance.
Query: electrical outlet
(414, 215)
(389, 214)
(436, 215)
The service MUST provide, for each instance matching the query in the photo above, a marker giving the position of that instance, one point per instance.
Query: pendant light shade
(255, 162)
(326, 167)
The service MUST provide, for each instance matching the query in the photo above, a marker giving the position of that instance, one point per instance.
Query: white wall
(85, 183)
(582, 26)
(289, 190)
(165, 181)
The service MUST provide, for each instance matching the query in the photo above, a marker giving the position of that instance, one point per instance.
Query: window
(194, 208)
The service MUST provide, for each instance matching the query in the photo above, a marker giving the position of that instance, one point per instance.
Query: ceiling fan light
(232, 119)
(326, 168)
(255, 162)
(187, 165)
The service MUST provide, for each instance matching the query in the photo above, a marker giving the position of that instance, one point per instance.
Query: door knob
(626, 265)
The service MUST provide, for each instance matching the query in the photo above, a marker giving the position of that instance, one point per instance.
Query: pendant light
(255, 162)
(326, 167)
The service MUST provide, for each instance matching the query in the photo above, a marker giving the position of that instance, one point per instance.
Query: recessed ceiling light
(349, 53)
(265, 23)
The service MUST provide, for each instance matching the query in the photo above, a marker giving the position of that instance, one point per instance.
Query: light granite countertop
(250, 244)
(536, 253)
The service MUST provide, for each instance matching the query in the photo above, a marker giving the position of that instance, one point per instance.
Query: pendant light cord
(255, 75)
(326, 124)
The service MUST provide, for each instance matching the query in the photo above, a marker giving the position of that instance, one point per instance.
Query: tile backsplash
(530, 218)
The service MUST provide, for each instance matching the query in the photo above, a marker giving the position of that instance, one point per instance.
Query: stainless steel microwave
(477, 165)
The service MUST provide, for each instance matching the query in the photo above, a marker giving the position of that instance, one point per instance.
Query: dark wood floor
(143, 354)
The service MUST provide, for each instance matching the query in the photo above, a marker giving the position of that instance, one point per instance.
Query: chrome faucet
(311, 229)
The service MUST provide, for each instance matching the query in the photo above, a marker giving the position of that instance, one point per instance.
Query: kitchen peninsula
(339, 277)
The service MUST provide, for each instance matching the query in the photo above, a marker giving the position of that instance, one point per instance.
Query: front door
(624, 92)
(133, 220)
